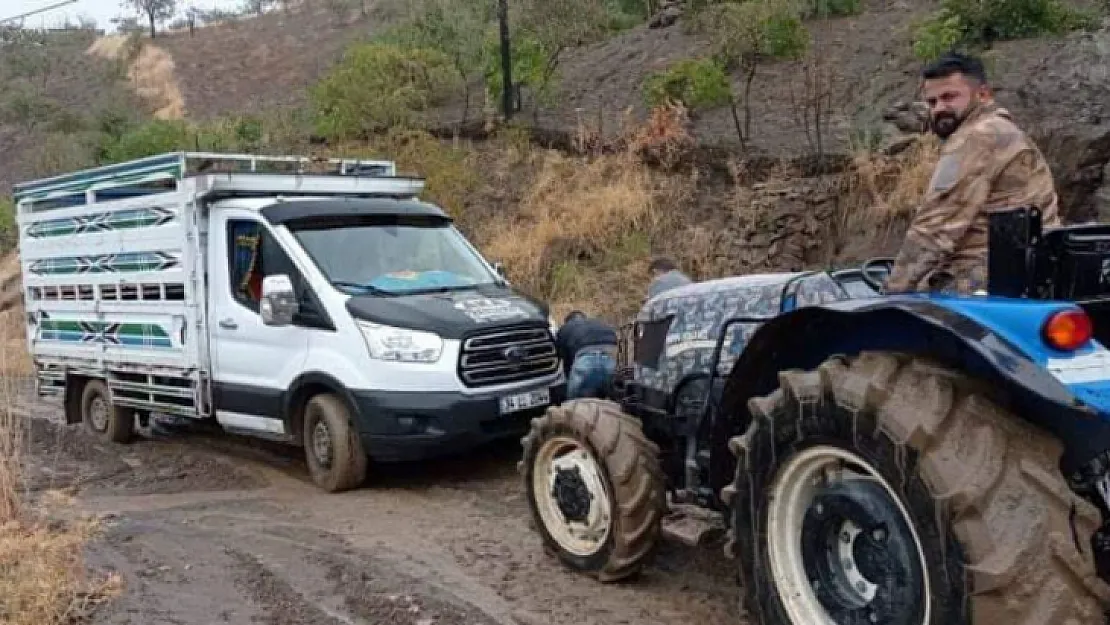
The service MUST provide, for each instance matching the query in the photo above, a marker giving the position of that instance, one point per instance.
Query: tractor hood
(451, 314)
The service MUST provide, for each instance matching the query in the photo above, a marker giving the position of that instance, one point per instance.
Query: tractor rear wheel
(886, 489)
(595, 487)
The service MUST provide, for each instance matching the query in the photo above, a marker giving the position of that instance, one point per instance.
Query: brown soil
(207, 528)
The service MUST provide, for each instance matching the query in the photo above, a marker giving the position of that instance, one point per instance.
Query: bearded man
(986, 164)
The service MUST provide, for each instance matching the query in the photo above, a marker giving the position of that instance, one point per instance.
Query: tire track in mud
(448, 541)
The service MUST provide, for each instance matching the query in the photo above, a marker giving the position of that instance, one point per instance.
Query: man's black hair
(955, 63)
(662, 264)
(572, 314)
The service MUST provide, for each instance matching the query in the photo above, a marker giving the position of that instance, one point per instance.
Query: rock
(897, 145)
(911, 117)
(667, 16)
(1079, 156)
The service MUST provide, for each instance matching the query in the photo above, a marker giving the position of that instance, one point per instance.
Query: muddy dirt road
(213, 529)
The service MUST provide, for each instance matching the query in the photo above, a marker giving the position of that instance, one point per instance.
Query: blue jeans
(590, 373)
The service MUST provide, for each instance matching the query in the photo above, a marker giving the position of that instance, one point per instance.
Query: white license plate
(524, 401)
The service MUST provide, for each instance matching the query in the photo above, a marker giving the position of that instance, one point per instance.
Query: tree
(457, 29)
(155, 11)
(377, 86)
(556, 26)
(812, 99)
(192, 16)
(745, 36)
(695, 83)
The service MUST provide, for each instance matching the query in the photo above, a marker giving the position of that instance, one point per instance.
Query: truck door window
(253, 254)
(244, 241)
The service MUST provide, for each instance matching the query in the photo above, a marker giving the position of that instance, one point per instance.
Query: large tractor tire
(595, 487)
(888, 490)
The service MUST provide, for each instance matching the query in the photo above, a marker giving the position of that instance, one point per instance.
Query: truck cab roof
(300, 210)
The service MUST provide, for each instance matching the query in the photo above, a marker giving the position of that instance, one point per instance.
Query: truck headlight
(400, 344)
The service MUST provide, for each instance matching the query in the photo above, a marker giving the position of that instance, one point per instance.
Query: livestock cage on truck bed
(114, 272)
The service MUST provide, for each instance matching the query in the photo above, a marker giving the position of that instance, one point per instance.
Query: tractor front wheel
(886, 489)
(595, 487)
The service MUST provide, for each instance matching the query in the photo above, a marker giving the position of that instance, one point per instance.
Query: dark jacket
(580, 333)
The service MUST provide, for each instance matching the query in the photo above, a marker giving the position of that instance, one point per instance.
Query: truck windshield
(394, 258)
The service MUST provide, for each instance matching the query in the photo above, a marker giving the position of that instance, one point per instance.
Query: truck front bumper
(408, 426)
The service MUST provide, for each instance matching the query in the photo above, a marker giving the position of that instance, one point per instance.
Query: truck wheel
(884, 489)
(114, 424)
(595, 487)
(333, 450)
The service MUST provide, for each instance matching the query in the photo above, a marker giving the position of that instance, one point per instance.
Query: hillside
(246, 83)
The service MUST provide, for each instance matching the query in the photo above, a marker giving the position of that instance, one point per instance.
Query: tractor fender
(804, 338)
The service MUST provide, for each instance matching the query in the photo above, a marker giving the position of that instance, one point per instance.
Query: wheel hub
(98, 413)
(321, 444)
(572, 495)
(842, 549)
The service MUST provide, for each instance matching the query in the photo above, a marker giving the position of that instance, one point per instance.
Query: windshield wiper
(445, 289)
(364, 287)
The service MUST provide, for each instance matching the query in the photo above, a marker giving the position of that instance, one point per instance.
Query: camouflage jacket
(987, 165)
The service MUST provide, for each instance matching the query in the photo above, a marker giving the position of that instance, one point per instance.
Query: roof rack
(162, 172)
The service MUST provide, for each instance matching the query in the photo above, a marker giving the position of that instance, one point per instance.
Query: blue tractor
(917, 459)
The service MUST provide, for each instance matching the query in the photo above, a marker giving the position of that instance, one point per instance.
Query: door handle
(228, 324)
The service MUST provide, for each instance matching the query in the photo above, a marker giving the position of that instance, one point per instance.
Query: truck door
(252, 363)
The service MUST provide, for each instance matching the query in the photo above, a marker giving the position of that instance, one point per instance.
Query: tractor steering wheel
(885, 266)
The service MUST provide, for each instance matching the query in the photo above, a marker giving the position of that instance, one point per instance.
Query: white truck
(316, 302)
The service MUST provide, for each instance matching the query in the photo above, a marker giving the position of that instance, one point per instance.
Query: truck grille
(505, 356)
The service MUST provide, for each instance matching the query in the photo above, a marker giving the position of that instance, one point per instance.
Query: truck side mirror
(279, 302)
(499, 267)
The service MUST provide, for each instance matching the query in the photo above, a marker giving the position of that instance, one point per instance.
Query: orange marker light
(1068, 329)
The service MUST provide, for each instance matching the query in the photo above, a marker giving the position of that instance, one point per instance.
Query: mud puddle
(208, 528)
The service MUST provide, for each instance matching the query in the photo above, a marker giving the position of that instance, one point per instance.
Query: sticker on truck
(486, 310)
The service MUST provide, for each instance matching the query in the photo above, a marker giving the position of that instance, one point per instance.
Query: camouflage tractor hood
(700, 310)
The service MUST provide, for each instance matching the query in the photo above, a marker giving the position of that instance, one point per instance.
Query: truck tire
(961, 516)
(333, 451)
(588, 461)
(110, 423)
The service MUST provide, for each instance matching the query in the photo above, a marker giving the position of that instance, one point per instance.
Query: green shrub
(529, 66)
(378, 86)
(829, 8)
(696, 83)
(961, 23)
(939, 34)
(744, 36)
(147, 139)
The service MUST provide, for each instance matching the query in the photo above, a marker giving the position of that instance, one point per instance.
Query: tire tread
(631, 461)
(993, 474)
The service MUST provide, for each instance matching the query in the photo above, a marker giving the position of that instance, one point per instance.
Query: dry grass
(884, 189)
(43, 578)
(577, 214)
(586, 226)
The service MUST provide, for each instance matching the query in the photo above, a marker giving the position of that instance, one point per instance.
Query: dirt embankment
(150, 70)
